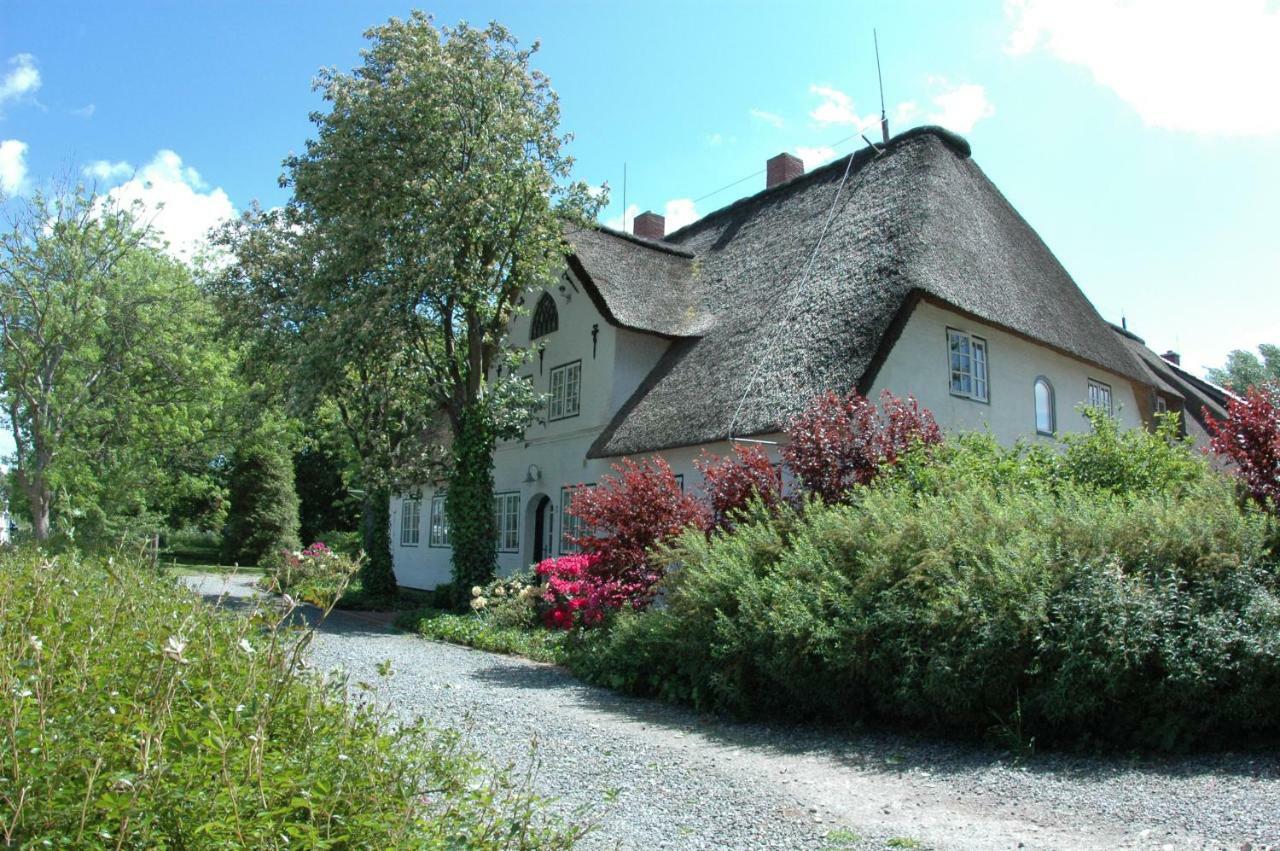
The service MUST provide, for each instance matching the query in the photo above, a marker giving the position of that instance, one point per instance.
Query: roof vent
(650, 225)
(1172, 357)
(782, 168)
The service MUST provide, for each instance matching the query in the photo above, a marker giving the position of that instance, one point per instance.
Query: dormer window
(545, 318)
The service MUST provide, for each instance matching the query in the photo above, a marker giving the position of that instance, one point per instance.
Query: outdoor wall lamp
(533, 475)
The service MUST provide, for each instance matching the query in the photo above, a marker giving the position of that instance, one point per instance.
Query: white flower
(476, 591)
(246, 646)
(174, 647)
(36, 644)
(479, 603)
(343, 757)
(239, 707)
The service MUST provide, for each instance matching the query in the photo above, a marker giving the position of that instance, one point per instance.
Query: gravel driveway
(690, 781)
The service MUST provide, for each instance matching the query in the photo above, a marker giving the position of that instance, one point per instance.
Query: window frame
(405, 527)
(566, 492)
(538, 313)
(1102, 385)
(1053, 405)
(985, 348)
(512, 499)
(443, 526)
(551, 399)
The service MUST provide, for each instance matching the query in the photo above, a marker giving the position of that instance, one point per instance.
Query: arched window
(1046, 411)
(545, 318)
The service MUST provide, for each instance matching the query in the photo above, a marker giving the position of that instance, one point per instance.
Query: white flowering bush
(136, 716)
(508, 603)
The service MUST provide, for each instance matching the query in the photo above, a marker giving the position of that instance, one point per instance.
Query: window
(1100, 395)
(571, 526)
(1162, 407)
(410, 517)
(437, 523)
(506, 519)
(1046, 408)
(566, 391)
(545, 318)
(680, 481)
(968, 361)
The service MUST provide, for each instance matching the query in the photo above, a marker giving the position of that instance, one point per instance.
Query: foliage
(1250, 438)
(315, 575)
(137, 717)
(581, 590)
(112, 381)
(263, 518)
(321, 470)
(510, 602)
(1244, 370)
(468, 506)
(840, 442)
(732, 483)
(475, 630)
(976, 587)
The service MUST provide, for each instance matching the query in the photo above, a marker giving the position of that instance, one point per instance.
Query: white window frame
(438, 523)
(410, 522)
(1096, 390)
(566, 391)
(570, 525)
(968, 366)
(1053, 405)
(506, 521)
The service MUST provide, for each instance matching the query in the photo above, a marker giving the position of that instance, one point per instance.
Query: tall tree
(1244, 370)
(435, 192)
(107, 370)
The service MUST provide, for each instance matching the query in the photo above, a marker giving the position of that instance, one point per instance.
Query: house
(901, 269)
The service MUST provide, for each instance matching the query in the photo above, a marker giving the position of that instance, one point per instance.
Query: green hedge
(137, 717)
(1115, 591)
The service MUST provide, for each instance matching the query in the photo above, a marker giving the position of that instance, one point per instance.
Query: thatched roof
(920, 220)
(1200, 399)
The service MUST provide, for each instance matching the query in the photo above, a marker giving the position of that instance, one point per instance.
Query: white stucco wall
(557, 451)
(918, 365)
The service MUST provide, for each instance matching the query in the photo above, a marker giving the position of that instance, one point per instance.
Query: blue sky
(1141, 139)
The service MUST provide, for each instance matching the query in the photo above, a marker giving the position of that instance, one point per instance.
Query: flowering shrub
(1250, 438)
(732, 481)
(510, 602)
(839, 442)
(576, 591)
(316, 574)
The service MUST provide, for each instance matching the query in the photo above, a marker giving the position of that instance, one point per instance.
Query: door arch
(543, 528)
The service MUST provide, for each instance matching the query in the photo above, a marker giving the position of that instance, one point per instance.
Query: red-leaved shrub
(1250, 437)
(580, 590)
(731, 481)
(839, 442)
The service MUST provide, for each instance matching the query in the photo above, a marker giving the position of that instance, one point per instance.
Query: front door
(543, 530)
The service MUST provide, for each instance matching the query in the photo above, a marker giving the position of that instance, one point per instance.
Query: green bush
(137, 717)
(475, 630)
(263, 518)
(1115, 591)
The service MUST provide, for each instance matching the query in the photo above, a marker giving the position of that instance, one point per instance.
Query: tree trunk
(39, 503)
(376, 574)
(469, 506)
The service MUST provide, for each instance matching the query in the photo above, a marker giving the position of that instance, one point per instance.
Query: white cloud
(22, 80)
(837, 108)
(13, 166)
(770, 118)
(85, 111)
(680, 212)
(960, 107)
(624, 221)
(108, 172)
(174, 200)
(814, 157)
(1185, 65)
(905, 113)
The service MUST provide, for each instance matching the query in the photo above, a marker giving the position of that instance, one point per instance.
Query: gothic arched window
(545, 318)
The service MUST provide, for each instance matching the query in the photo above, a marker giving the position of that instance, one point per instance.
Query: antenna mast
(884, 118)
(624, 197)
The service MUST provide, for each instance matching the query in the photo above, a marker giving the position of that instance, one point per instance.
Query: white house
(925, 282)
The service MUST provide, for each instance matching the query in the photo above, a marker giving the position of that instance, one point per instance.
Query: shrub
(732, 483)
(482, 633)
(315, 575)
(984, 587)
(138, 717)
(263, 517)
(840, 442)
(1250, 438)
(581, 590)
(508, 603)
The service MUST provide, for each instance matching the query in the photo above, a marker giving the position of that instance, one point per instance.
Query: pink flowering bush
(315, 574)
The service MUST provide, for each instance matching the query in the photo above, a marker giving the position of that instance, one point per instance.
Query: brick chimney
(649, 225)
(1172, 357)
(782, 168)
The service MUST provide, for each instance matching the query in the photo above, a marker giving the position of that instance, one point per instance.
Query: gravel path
(689, 781)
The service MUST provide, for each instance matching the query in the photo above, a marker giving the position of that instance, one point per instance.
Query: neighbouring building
(904, 269)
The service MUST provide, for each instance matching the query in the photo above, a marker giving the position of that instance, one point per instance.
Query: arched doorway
(543, 528)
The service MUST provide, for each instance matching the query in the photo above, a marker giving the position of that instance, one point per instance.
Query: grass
(540, 645)
(133, 715)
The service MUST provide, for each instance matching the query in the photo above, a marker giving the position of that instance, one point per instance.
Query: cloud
(624, 221)
(22, 80)
(85, 111)
(905, 113)
(960, 107)
(837, 108)
(770, 118)
(13, 166)
(814, 157)
(108, 172)
(680, 212)
(174, 198)
(1208, 68)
